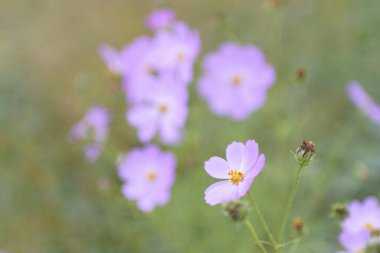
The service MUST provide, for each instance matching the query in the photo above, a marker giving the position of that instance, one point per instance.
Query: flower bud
(304, 153)
(298, 225)
(339, 211)
(301, 73)
(237, 209)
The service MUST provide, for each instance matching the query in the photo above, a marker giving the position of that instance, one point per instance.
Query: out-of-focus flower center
(236, 176)
(236, 80)
(368, 226)
(163, 108)
(151, 71)
(181, 56)
(375, 233)
(151, 176)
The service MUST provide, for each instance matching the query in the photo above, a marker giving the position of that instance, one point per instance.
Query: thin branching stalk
(254, 235)
(263, 221)
(290, 202)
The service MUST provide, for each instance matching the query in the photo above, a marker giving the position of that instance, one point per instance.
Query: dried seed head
(237, 210)
(339, 211)
(305, 152)
(298, 225)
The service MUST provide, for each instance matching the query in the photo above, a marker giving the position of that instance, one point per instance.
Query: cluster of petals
(163, 110)
(362, 226)
(93, 130)
(363, 101)
(235, 80)
(154, 70)
(148, 174)
(238, 171)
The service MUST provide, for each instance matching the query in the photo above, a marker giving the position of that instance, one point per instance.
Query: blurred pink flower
(354, 242)
(362, 221)
(93, 129)
(160, 19)
(361, 99)
(162, 109)
(243, 164)
(235, 80)
(149, 174)
(364, 215)
(178, 49)
(169, 52)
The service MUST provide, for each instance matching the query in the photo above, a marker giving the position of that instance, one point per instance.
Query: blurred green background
(51, 200)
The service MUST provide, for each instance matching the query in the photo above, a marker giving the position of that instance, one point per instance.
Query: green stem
(290, 202)
(263, 221)
(254, 235)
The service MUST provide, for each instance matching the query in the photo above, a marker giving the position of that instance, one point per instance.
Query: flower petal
(222, 191)
(217, 167)
(234, 154)
(251, 153)
(257, 168)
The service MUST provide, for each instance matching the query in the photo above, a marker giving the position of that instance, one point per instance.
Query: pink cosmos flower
(178, 49)
(93, 129)
(361, 99)
(243, 164)
(160, 19)
(169, 51)
(149, 174)
(235, 80)
(163, 109)
(354, 242)
(361, 216)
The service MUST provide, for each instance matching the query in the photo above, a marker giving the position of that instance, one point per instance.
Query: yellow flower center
(181, 56)
(368, 226)
(236, 81)
(151, 71)
(151, 176)
(163, 108)
(236, 176)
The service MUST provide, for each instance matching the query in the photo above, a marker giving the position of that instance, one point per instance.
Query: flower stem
(263, 221)
(290, 202)
(254, 235)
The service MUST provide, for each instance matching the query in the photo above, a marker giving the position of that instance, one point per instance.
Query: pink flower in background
(162, 110)
(178, 49)
(354, 242)
(362, 225)
(93, 129)
(235, 80)
(160, 19)
(361, 216)
(243, 164)
(145, 59)
(361, 99)
(149, 174)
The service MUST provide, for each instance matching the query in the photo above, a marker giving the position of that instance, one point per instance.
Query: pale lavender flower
(162, 110)
(235, 80)
(243, 164)
(149, 174)
(361, 99)
(160, 19)
(354, 242)
(147, 59)
(93, 129)
(178, 49)
(361, 216)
